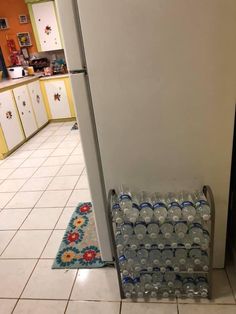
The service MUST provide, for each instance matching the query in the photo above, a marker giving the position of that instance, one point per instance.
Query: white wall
(163, 79)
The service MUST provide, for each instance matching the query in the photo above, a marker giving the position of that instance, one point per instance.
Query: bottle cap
(167, 235)
(175, 218)
(153, 235)
(147, 219)
(119, 220)
(181, 235)
(133, 246)
(133, 220)
(161, 219)
(190, 218)
(197, 261)
(206, 217)
(140, 236)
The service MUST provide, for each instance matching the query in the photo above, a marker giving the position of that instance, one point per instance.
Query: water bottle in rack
(205, 240)
(159, 207)
(187, 241)
(195, 255)
(181, 229)
(146, 211)
(162, 242)
(170, 278)
(146, 242)
(181, 256)
(142, 255)
(167, 257)
(146, 281)
(173, 241)
(128, 286)
(175, 265)
(196, 232)
(124, 267)
(126, 230)
(156, 257)
(189, 286)
(117, 213)
(130, 255)
(202, 286)
(167, 229)
(174, 209)
(140, 230)
(133, 242)
(205, 261)
(202, 206)
(138, 287)
(189, 266)
(120, 242)
(157, 279)
(178, 284)
(153, 230)
(187, 204)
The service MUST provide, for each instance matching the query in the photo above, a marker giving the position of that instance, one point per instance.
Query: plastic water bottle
(156, 257)
(167, 229)
(188, 209)
(146, 281)
(196, 232)
(149, 265)
(167, 257)
(146, 211)
(124, 267)
(146, 242)
(205, 240)
(162, 241)
(159, 207)
(133, 242)
(202, 205)
(174, 209)
(125, 199)
(157, 279)
(178, 284)
(165, 290)
(128, 286)
(169, 278)
(173, 241)
(205, 261)
(117, 214)
(189, 265)
(175, 265)
(126, 230)
(181, 229)
(181, 256)
(196, 255)
(130, 255)
(120, 243)
(138, 288)
(142, 255)
(140, 230)
(153, 230)
(202, 286)
(187, 242)
(189, 286)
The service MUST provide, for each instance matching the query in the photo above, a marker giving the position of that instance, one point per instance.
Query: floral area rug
(79, 246)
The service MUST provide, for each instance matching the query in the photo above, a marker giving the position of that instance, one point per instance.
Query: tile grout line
(121, 303)
(68, 300)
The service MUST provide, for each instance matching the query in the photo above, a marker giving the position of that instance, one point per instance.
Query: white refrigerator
(154, 84)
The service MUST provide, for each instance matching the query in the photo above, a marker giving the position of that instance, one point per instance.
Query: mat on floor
(79, 246)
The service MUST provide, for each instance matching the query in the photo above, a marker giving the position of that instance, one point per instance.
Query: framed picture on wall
(24, 39)
(23, 19)
(3, 23)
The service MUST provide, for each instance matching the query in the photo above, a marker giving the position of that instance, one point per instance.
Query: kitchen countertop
(6, 84)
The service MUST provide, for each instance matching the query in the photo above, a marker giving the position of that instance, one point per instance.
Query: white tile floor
(40, 185)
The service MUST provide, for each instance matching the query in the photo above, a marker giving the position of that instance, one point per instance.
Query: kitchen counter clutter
(28, 104)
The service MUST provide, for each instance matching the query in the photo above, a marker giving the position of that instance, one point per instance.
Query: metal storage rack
(207, 274)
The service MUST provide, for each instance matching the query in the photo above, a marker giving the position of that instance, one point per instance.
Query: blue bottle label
(158, 205)
(135, 206)
(201, 202)
(116, 206)
(124, 197)
(140, 223)
(136, 280)
(173, 204)
(168, 268)
(156, 269)
(195, 225)
(127, 280)
(186, 203)
(145, 204)
(206, 233)
(127, 224)
(201, 280)
(122, 258)
(188, 280)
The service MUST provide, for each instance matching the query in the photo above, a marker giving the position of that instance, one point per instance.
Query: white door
(9, 120)
(25, 110)
(38, 103)
(47, 27)
(57, 98)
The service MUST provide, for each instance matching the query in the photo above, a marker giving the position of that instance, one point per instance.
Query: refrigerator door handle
(79, 71)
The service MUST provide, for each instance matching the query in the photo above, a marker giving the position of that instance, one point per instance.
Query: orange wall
(11, 9)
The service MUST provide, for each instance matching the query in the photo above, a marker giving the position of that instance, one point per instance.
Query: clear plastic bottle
(138, 288)
(189, 266)
(142, 255)
(202, 286)
(136, 265)
(140, 230)
(189, 286)
(170, 278)
(167, 229)
(126, 231)
(159, 207)
(133, 242)
(173, 241)
(124, 267)
(205, 261)
(156, 257)
(153, 230)
(175, 265)
(147, 242)
(196, 255)
(181, 256)
(187, 241)
(165, 290)
(205, 240)
(120, 242)
(130, 255)
(196, 232)
(162, 241)
(149, 265)
(202, 205)
(174, 209)
(125, 199)
(178, 284)
(187, 204)
(167, 257)
(146, 211)
(157, 279)
(117, 213)
(181, 229)
(128, 286)
(146, 281)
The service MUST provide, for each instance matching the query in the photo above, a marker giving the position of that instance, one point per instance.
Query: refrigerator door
(68, 23)
(163, 77)
(80, 89)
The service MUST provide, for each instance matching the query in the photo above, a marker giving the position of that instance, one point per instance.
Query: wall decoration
(9, 115)
(24, 39)
(48, 30)
(57, 97)
(3, 23)
(23, 19)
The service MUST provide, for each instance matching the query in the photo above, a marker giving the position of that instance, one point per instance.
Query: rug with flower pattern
(79, 246)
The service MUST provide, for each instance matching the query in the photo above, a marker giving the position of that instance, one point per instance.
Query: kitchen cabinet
(25, 110)
(11, 130)
(58, 98)
(45, 26)
(38, 103)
